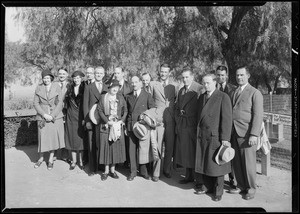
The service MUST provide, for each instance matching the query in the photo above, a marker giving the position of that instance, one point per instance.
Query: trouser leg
(169, 138)
(133, 141)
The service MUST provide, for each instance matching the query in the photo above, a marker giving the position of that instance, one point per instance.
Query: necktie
(99, 86)
(135, 94)
(164, 84)
(221, 87)
(61, 85)
(237, 94)
(207, 97)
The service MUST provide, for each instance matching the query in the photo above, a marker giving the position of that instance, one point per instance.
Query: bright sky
(15, 30)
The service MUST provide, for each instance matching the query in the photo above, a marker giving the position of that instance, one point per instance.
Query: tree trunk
(276, 82)
(267, 84)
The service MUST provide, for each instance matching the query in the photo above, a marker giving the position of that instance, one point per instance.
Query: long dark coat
(214, 125)
(111, 152)
(74, 117)
(186, 125)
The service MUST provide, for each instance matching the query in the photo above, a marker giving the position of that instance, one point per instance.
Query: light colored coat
(52, 104)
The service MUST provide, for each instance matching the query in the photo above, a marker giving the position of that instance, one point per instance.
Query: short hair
(245, 67)
(165, 65)
(119, 67)
(187, 68)
(146, 73)
(99, 67)
(90, 68)
(212, 75)
(222, 68)
(63, 68)
(137, 77)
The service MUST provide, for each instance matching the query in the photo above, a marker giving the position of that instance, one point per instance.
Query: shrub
(18, 104)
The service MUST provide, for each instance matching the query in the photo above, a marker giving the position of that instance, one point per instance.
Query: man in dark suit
(91, 97)
(138, 101)
(223, 85)
(146, 79)
(214, 129)
(125, 89)
(186, 110)
(247, 116)
(164, 94)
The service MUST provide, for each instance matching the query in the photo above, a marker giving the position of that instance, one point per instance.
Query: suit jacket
(91, 96)
(247, 113)
(51, 104)
(137, 106)
(214, 125)
(126, 89)
(164, 98)
(186, 106)
(229, 88)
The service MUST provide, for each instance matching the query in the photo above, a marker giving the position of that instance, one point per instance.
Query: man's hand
(226, 143)
(252, 140)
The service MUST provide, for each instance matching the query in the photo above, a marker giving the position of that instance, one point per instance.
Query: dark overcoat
(186, 110)
(214, 125)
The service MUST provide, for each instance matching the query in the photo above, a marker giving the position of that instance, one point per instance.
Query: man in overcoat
(164, 94)
(186, 110)
(228, 88)
(138, 101)
(92, 93)
(213, 130)
(247, 116)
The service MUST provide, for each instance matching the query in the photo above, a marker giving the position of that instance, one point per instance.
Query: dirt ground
(26, 187)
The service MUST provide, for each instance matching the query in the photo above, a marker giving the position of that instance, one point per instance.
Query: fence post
(266, 159)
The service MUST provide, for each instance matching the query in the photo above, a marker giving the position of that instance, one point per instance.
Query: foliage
(18, 104)
(141, 38)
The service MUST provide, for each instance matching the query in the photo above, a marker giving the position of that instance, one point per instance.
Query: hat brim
(220, 161)
(94, 116)
(137, 134)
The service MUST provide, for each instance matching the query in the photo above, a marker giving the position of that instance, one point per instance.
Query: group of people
(152, 126)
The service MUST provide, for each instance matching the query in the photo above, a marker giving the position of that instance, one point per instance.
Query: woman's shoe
(50, 165)
(37, 164)
(113, 175)
(81, 166)
(104, 176)
(72, 166)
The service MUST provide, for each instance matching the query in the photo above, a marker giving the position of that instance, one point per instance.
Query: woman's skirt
(51, 136)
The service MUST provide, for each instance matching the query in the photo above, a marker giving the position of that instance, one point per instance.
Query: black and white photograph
(188, 106)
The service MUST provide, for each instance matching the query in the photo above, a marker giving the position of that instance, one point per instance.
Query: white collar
(121, 82)
(243, 86)
(166, 82)
(138, 92)
(210, 93)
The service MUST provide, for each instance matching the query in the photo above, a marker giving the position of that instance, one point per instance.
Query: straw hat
(224, 155)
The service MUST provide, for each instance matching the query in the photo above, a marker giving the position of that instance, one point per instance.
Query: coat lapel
(95, 90)
(213, 98)
(161, 89)
(189, 95)
(244, 93)
(138, 100)
(53, 91)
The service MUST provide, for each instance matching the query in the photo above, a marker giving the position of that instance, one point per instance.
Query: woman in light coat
(48, 104)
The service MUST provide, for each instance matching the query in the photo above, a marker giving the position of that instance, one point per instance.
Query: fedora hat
(94, 116)
(140, 130)
(224, 155)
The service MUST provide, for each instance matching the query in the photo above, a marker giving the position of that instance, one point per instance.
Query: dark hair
(222, 68)
(246, 68)
(187, 68)
(63, 68)
(146, 73)
(165, 65)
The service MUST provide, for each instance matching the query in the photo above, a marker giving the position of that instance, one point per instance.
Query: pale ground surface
(27, 187)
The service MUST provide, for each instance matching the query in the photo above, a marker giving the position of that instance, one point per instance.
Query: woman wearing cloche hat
(48, 105)
(74, 119)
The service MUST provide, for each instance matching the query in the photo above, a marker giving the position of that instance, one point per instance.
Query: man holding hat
(92, 93)
(138, 101)
(213, 150)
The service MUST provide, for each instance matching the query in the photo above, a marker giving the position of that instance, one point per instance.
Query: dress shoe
(217, 198)
(235, 190)
(185, 181)
(155, 179)
(37, 164)
(167, 175)
(113, 175)
(50, 165)
(72, 166)
(91, 174)
(248, 196)
(104, 176)
(130, 177)
(147, 177)
(200, 192)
